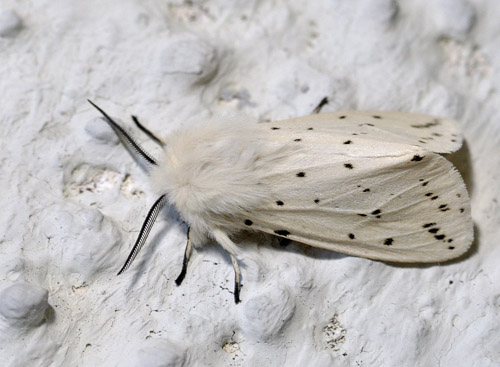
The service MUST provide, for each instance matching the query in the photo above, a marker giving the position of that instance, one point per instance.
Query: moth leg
(318, 108)
(232, 249)
(237, 279)
(148, 132)
(187, 254)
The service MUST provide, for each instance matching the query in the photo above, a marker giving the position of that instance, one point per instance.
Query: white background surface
(73, 200)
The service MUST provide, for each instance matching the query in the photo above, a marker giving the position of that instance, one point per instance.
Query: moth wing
(363, 195)
(436, 134)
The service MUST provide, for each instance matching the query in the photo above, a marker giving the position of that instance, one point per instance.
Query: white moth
(363, 183)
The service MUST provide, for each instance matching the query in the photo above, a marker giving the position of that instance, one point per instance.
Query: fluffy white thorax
(214, 169)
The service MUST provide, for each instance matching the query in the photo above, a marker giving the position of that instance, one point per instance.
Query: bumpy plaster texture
(73, 200)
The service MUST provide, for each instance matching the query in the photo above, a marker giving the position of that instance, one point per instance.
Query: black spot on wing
(301, 174)
(282, 232)
(351, 236)
(366, 190)
(417, 158)
(439, 236)
(280, 203)
(425, 183)
(275, 128)
(376, 117)
(248, 222)
(427, 225)
(297, 139)
(310, 128)
(388, 241)
(342, 117)
(451, 247)
(426, 125)
(444, 208)
(316, 201)
(433, 230)
(348, 165)
(434, 197)
(348, 142)
(377, 211)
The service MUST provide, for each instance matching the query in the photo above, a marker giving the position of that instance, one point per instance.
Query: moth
(363, 183)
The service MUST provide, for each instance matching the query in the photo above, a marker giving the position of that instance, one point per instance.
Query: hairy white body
(214, 171)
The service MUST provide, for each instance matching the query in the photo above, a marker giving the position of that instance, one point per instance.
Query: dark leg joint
(237, 281)
(187, 253)
(148, 132)
(237, 287)
(181, 276)
(323, 102)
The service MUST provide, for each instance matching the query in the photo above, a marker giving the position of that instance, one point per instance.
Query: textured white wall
(73, 200)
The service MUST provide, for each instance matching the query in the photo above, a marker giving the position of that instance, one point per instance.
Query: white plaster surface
(73, 200)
